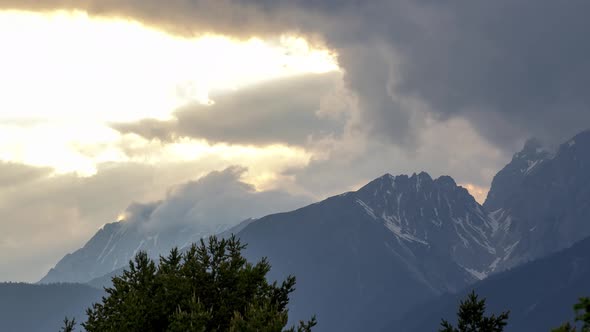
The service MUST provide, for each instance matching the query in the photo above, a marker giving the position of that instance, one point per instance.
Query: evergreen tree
(582, 309)
(69, 325)
(210, 287)
(471, 317)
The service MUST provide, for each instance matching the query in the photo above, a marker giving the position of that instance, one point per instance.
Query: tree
(69, 325)
(210, 287)
(471, 317)
(582, 309)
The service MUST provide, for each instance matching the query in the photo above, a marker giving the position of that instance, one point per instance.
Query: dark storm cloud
(513, 68)
(289, 111)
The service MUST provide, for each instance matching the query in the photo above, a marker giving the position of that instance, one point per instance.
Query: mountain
(539, 201)
(116, 243)
(40, 308)
(363, 257)
(539, 294)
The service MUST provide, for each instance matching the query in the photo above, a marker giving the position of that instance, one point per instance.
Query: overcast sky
(109, 104)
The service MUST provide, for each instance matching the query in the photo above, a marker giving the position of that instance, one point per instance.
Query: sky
(110, 105)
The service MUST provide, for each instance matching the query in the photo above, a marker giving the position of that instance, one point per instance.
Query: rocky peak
(509, 179)
(436, 214)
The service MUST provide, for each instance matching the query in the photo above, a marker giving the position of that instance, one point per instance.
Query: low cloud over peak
(48, 216)
(218, 198)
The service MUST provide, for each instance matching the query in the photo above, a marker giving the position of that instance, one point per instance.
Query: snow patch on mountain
(508, 250)
(395, 228)
(479, 275)
(369, 211)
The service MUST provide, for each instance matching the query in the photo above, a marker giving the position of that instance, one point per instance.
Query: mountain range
(363, 259)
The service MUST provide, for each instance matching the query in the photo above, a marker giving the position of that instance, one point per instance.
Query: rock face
(115, 244)
(544, 207)
(511, 177)
(436, 214)
(366, 255)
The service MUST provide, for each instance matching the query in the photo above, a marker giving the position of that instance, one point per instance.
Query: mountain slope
(105, 280)
(40, 308)
(540, 294)
(116, 243)
(548, 208)
(363, 257)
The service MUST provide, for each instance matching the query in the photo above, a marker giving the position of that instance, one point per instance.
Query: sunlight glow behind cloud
(66, 75)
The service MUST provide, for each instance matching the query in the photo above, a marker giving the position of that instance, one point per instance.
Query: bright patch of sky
(66, 75)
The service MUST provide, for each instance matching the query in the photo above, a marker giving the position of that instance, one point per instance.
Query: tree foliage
(210, 287)
(69, 325)
(471, 317)
(582, 309)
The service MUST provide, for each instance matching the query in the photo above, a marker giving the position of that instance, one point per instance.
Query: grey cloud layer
(523, 62)
(285, 111)
(186, 17)
(513, 68)
(443, 148)
(12, 174)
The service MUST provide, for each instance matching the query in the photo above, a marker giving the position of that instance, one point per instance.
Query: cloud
(451, 147)
(232, 17)
(292, 111)
(513, 68)
(13, 174)
(219, 198)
